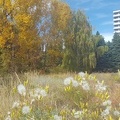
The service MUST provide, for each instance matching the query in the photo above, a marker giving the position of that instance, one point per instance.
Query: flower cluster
(82, 100)
(100, 87)
(83, 83)
(107, 103)
(26, 109)
(116, 113)
(38, 93)
(81, 74)
(105, 112)
(25, 105)
(69, 81)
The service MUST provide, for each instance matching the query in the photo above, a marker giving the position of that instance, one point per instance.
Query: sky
(99, 14)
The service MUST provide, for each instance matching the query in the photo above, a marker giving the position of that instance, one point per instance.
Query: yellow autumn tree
(56, 15)
(32, 33)
(19, 38)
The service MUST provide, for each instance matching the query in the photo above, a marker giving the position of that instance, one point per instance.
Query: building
(116, 21)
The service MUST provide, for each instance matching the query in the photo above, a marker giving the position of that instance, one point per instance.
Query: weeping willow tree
(81, 48)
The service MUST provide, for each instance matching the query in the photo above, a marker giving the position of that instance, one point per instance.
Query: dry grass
(55, 82)
(112, 80)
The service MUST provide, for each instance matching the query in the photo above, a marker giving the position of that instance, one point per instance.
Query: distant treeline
(46, 35)
(110, 61)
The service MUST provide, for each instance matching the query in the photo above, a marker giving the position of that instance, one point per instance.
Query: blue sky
(99, 13)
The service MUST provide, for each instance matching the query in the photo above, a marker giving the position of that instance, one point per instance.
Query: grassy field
(61, 102)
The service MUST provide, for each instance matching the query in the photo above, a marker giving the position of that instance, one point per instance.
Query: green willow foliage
(82, 49)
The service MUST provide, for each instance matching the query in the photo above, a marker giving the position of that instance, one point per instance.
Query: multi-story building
(116, 21)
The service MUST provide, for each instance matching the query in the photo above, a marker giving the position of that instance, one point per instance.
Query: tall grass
(61, 100)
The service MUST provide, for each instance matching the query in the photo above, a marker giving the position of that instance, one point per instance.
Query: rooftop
(116, 11)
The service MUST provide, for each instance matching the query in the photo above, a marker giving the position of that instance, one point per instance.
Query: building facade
(116, 21)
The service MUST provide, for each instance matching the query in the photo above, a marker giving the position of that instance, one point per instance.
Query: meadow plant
(84, 98)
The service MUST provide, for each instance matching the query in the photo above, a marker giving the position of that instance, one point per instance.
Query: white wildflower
(105, 112)
(21, 89)
(43, 93)
(37, 93)
(56, 117)
(75, 83)
(8, 118)
(15, 104)
(100, 87)
(116, 113)
(68, 80)
(82, 74)
(77, 114)
(26, 109)
(106, 103)
(85, 85)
